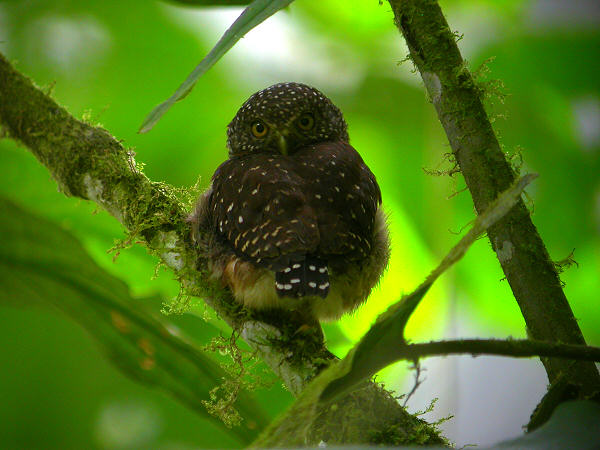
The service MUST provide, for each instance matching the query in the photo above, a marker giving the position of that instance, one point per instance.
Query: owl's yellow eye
(306, 121)
(259, 129)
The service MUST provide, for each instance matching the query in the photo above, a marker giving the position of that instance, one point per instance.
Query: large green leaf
(40, 262)
(257, 12)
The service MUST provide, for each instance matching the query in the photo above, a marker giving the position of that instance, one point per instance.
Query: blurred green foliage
(111, 62)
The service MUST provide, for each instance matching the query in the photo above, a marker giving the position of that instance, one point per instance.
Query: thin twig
(524, 348)
(418, 381)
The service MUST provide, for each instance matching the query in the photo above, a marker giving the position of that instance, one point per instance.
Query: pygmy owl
(292, 219)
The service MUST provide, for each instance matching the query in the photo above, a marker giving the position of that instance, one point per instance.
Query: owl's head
(284, 118)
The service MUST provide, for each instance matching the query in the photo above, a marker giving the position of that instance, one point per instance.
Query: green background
(110, 62)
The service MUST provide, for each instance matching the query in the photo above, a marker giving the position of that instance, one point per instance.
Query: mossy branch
(518, 246)
(87, 162)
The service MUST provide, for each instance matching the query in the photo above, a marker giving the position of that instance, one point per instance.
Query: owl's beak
(282, 144)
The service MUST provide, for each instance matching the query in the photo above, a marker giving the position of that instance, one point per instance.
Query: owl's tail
(304, 277)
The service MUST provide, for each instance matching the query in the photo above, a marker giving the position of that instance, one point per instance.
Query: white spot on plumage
(240, 219)
(295, 280)
(312, 284)
(311, 267)
(323, 269)
(296, 266)
(324, 285)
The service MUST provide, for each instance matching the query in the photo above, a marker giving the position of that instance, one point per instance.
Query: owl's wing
(345, 196)
(259, 206)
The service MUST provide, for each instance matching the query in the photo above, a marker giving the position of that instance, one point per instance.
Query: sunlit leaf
(41, 262)
(253, 15)
(373, 351)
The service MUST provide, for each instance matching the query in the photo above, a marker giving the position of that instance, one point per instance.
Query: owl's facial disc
(284, 118)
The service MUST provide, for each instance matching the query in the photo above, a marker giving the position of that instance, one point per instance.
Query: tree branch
(522, 348)
(87, 162)
(518, 246)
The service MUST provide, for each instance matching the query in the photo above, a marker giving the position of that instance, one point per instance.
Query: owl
(293, 219)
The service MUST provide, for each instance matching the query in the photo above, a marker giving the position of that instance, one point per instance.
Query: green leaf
(373, 351)
(42, 263)
(257, 12)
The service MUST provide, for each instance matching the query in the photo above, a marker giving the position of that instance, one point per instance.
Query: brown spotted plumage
(292, 219)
